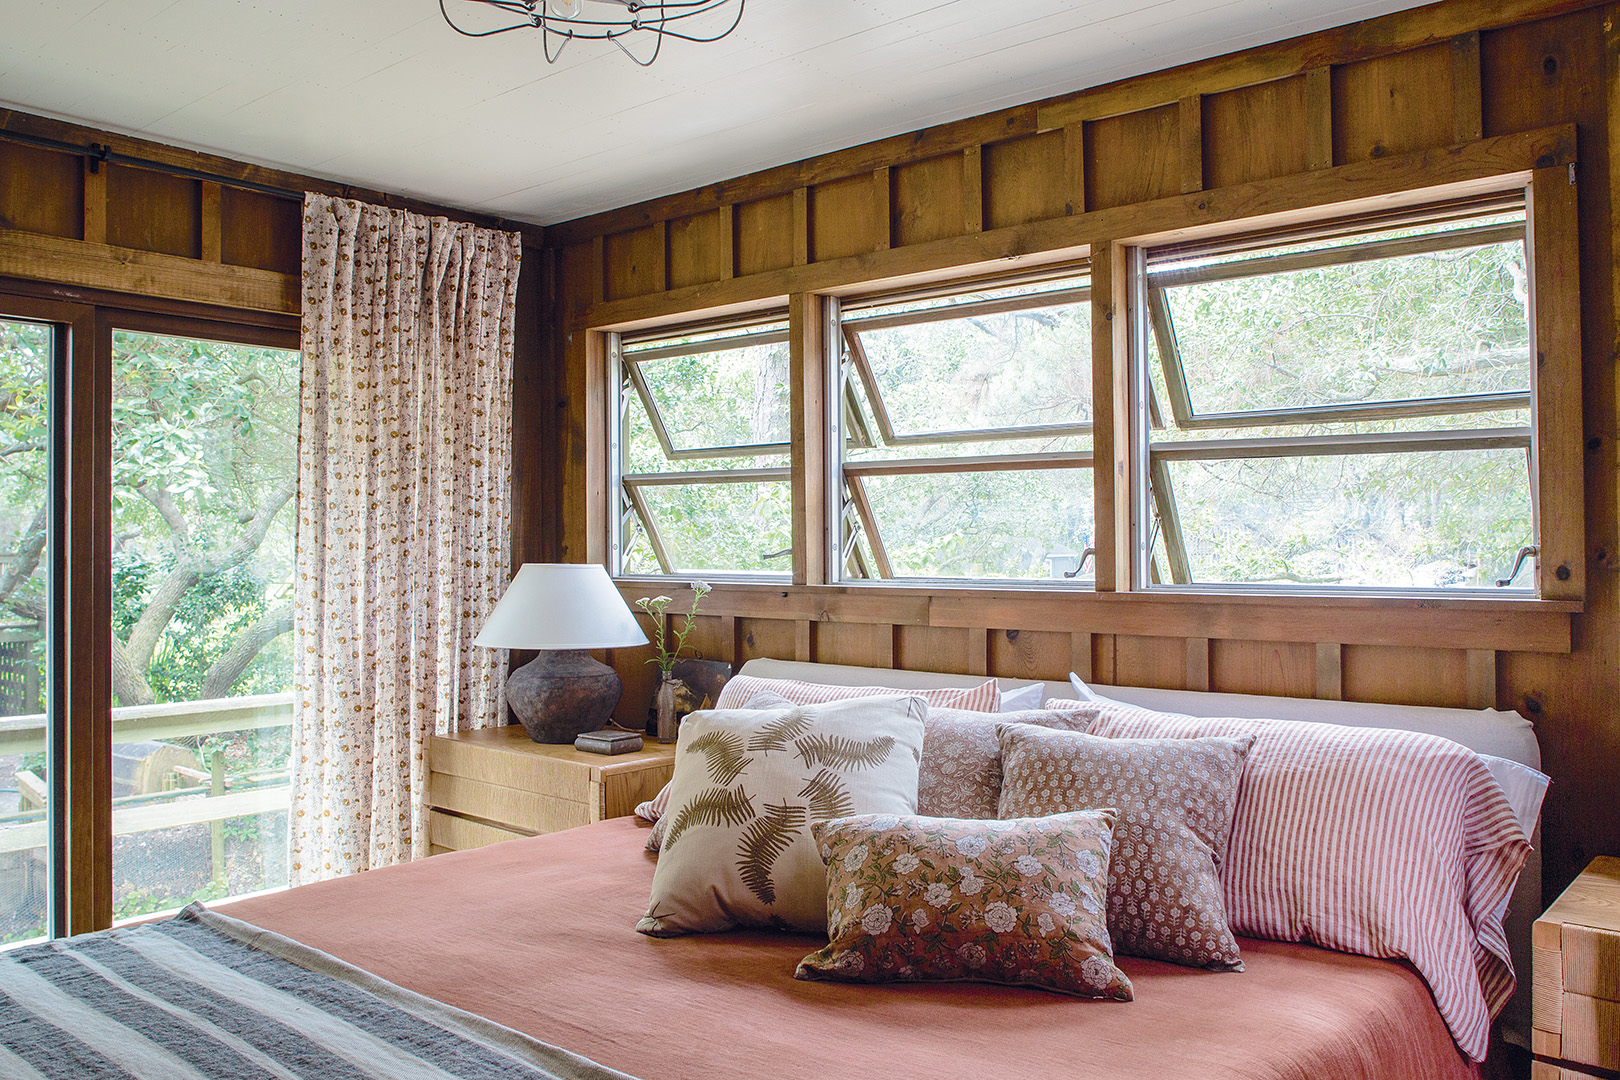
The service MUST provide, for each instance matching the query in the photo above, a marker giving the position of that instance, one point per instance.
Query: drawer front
(510, 769)
(522, 812)
(620, 792)
(451, 833)
(1543, 1070)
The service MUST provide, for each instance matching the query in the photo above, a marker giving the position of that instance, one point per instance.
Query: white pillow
(1525, 787)
(737, 850)
(1084, 692)
(1022, 699)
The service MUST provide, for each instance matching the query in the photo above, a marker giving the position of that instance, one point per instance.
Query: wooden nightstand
(1576, 990)
(496, 784)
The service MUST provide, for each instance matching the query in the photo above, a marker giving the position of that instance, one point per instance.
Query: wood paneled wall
(1443, 94)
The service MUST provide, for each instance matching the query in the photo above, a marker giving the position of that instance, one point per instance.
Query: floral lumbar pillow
(748, 786)
(1174, 798)
(915, 899)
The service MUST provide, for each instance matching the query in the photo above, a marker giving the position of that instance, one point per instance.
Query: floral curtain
(404, 456)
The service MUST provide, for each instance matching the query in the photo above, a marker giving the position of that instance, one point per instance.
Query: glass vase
(666, 709)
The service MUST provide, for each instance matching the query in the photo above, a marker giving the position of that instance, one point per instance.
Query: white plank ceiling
(382, 93)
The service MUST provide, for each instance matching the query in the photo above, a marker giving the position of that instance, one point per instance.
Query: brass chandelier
(623, 21)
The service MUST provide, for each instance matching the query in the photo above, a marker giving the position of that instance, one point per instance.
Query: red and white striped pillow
(1371, 841)
(741, 689)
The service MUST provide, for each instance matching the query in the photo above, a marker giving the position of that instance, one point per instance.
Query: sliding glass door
(148, 486)
(204, 484)
(27, 356)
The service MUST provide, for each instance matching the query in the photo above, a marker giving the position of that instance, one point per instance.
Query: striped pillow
(741, 689)
(1371, 841)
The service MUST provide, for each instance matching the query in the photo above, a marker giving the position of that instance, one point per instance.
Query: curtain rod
(97, 153)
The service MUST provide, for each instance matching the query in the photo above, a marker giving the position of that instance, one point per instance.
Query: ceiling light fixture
(627, 20)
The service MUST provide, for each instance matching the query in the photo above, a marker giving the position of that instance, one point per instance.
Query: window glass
(703, 445)
(966, 436)
(1351, 412)
(26, 351)
(204, 469)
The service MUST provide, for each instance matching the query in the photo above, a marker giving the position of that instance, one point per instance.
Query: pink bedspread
(538, 935)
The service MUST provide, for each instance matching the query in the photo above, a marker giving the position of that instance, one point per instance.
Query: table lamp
(561, 609)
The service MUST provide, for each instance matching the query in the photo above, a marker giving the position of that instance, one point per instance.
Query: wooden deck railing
(200, 805)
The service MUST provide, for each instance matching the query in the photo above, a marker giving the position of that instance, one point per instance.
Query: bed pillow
(740, 689)
(915, 899)
(1025, 697)
(1174, 799)
(960, 775)
(1372, 841)
(653, 809)
(748, 785)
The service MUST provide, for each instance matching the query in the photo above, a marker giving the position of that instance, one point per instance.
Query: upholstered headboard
(1485, 731)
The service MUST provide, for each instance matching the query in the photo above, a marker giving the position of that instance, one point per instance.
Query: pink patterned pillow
(1383, 843)
(740, 689)
(960, 773)
(914, 899)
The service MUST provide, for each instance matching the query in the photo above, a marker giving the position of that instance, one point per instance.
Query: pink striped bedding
(741, 689)
(1385, 843)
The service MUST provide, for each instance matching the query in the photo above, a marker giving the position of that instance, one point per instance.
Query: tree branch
(224, 672)
(30, 547)
(129, 682)
(193, 567)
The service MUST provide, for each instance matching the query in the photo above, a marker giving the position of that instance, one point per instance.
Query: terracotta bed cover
(538, 935)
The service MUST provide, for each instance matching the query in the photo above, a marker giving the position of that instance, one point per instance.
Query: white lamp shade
(561, 606)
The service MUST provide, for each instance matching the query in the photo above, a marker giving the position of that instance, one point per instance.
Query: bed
(537, 934)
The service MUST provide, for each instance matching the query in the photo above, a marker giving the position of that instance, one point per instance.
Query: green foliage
(762, 843)
(713, 806)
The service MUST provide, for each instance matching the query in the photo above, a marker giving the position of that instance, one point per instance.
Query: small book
(608, 741)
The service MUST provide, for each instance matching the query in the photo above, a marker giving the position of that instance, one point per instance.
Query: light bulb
(563, 9)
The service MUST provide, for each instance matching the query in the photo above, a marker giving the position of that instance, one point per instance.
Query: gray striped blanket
(206, 997)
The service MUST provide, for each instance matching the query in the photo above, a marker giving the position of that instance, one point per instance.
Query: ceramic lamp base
(562, 694)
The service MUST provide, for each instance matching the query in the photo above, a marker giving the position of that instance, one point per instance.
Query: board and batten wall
(1408, 101)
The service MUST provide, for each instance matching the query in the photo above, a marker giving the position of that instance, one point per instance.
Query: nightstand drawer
(518, 809)
(496, 784)
(1576, 992)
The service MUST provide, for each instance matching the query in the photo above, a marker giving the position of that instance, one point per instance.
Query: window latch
(1085, 556)
(1528, 552)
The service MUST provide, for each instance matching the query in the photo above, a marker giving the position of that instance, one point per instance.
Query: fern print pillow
(748, 784)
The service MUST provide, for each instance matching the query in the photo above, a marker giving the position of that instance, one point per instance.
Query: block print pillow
(748, 785)
(914, 899)
(1175, 800)
(960, 775)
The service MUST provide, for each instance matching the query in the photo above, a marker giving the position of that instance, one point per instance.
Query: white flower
(972, 955)
(883, 821)
(999, 917)
(919, 918)
(826, 853)
(906, 862)
(1096, 971)
(850, 962)
(971, 884)
(1045, 922)
(877, 919)
(937, 894)
(971, 846)
(1028, 865)
(852, 895)
(1063, 904)
(1089, 864)
(855, 857)
(1088, 900)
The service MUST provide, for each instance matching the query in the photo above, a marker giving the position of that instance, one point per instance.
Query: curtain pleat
(404, 518)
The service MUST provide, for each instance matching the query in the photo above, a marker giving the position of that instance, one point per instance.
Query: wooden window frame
(80, 558)
(1554, 434)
